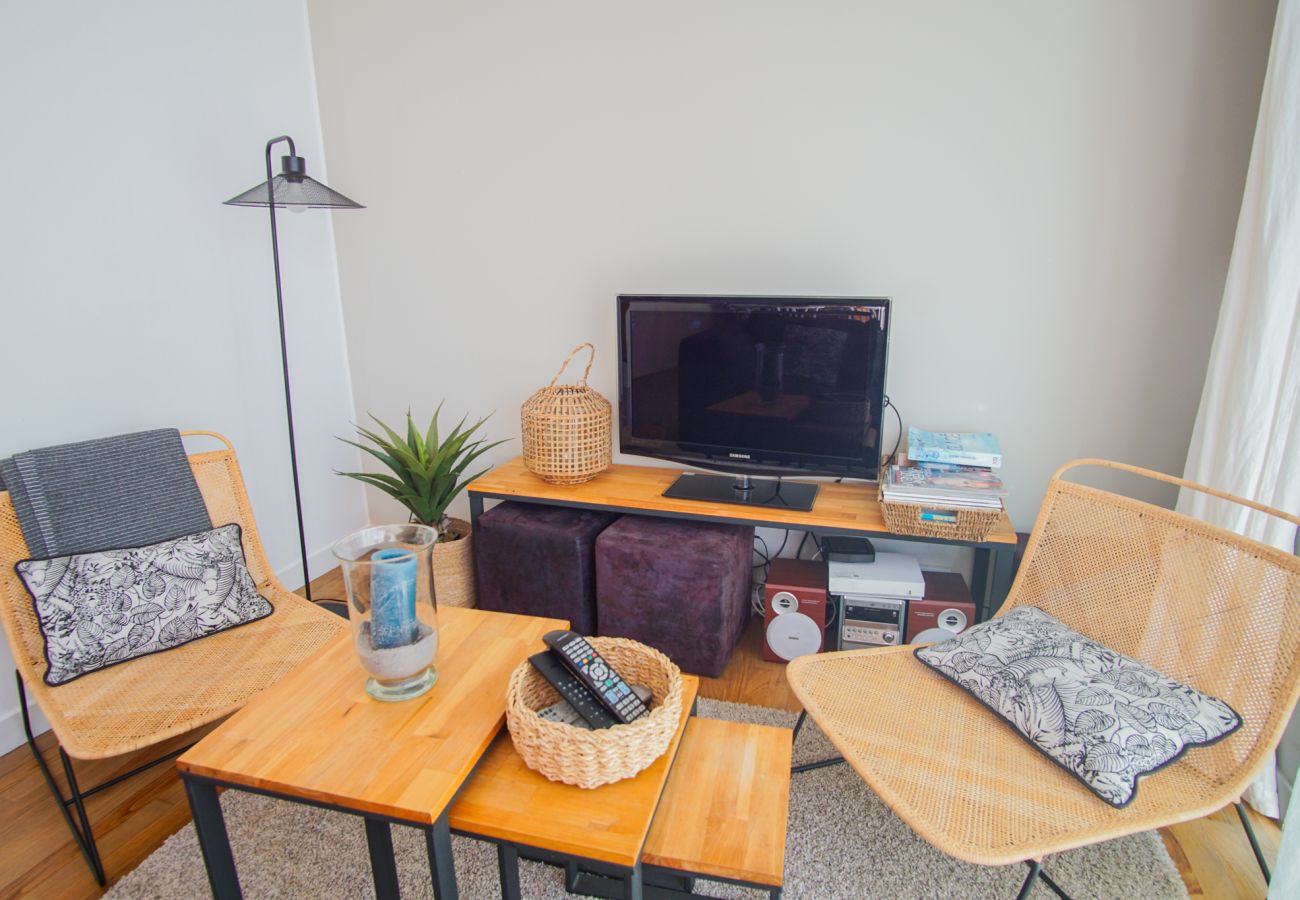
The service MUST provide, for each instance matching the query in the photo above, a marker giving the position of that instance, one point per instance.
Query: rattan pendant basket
(566, 429)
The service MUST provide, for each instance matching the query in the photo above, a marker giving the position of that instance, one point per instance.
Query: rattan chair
(1201, 604)
(145, 701)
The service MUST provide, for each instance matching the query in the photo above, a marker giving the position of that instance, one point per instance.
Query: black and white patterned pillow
(1106, 718)
(100, 609)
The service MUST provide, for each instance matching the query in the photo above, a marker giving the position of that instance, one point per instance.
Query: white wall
(132, 298)
(1047, 190)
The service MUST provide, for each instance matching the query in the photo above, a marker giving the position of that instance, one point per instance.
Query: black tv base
(743, 491)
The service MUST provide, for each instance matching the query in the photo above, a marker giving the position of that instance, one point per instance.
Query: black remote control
(573, 691)
(597, 674)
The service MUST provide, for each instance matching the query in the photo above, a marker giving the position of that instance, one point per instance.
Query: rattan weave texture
(147, 700)
(566, 429)
(1201, 604)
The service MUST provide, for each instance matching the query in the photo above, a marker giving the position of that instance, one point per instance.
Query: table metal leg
(210, 827)
(383, 864)
(979, 583)
(632, 884)
(438, 839)
(508, 866)
(1004, 565)
(475, 509)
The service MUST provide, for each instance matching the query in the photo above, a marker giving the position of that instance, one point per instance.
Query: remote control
(597, 674)
(565, 714)
(572, 691)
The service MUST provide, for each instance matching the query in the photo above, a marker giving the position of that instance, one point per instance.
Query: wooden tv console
(849, 509)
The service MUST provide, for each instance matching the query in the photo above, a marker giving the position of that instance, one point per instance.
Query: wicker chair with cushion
(1203, 605)
(145, 701)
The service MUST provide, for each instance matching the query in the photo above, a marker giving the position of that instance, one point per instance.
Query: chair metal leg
(1254, 842)
(798, 726)
(84, 836)
(1035, 869)
(1056, 888)
(808, 767)
(820, 764)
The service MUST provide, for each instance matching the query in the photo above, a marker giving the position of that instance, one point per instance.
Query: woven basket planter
(585, 758)
(566, 429)
(454, 580)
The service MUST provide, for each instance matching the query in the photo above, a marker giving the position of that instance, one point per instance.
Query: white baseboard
(320, 561)
(11, 727)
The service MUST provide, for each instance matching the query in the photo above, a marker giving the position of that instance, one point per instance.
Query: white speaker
(953, 620)
(791, 634)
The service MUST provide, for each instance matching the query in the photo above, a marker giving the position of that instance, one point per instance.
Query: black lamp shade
(294, 188)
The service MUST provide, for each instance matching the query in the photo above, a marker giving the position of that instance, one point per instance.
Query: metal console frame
(990, 580)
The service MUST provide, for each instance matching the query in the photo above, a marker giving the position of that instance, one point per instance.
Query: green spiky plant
(428, 470)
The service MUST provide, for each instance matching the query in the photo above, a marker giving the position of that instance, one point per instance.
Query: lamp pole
(284, 345)
(297, 191)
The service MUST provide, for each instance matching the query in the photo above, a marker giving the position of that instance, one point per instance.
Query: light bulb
(297, 210)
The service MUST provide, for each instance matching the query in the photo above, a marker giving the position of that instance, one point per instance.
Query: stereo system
(873, 598)
(871, 621)
(794, 609)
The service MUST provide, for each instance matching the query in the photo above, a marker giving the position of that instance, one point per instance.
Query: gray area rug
(843, 843)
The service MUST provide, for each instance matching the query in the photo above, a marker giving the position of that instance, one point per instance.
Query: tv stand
(742, 490)
(848, 509)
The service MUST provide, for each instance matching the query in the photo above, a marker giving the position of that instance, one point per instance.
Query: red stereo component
(794, 609)
(947, 604)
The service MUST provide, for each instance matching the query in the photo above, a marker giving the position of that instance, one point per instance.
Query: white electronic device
(891, 575)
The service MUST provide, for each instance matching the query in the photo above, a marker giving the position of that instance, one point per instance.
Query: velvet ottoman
(681, 587)
(539, 561)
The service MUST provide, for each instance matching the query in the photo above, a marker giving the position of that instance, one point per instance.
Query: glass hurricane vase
(388, 570)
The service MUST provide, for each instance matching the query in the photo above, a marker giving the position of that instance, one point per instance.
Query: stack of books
(949, 470)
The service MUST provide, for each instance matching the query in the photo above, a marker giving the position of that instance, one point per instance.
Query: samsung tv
(753, 386)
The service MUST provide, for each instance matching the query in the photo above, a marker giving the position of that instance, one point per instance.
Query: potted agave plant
(428, 472)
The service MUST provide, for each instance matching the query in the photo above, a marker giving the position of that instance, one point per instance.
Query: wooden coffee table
(598, 835)
(318, 738)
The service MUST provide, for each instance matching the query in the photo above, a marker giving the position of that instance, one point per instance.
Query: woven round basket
(454, 581)
(585, 758)
(566, 429)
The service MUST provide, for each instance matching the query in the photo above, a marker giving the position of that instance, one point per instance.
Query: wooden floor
(38, 857)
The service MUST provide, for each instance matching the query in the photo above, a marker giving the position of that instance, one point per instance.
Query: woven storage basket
(905, 518)
(454, 581)
(585, 758)
(566, 429)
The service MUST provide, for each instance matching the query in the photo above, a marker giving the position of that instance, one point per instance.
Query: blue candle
(392, 599)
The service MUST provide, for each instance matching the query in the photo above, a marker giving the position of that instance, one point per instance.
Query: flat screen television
(752, 386)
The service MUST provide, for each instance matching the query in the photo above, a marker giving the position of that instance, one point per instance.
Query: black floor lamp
(294, 190)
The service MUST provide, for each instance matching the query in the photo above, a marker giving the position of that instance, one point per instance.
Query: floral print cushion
(1106, 718)
(100, 609)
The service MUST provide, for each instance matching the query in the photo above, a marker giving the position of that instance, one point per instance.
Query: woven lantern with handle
(566, 429)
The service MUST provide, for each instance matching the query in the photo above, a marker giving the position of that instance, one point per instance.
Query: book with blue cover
(955, 447)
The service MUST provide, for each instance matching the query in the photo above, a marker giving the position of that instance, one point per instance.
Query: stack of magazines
(949, 470)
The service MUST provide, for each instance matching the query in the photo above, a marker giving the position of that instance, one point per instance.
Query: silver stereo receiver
(871, 621)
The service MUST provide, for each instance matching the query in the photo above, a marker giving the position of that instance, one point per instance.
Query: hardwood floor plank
(38, 857)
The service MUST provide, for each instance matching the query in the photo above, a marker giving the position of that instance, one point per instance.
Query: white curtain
(1247, 435)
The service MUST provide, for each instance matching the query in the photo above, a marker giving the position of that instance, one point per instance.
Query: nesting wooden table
(318, 738)
(713, 805)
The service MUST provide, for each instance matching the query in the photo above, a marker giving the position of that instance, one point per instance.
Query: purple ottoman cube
(539, 561)
(681, 587)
